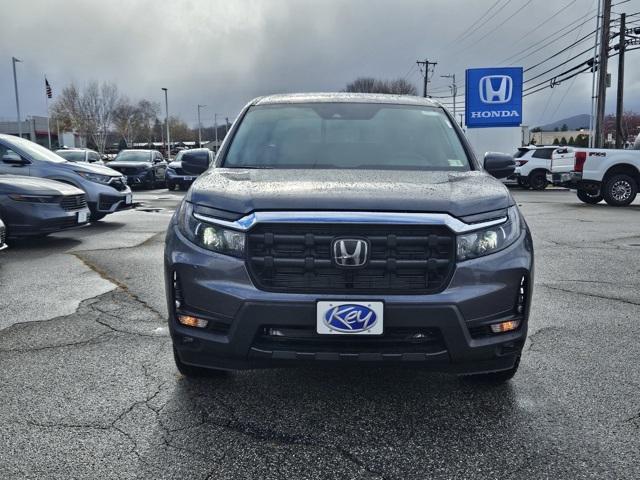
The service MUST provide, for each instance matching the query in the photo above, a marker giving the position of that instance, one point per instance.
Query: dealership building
(34, 128)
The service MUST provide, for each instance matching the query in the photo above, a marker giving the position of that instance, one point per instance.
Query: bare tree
(99, 103)
(371, 85)
(90, 112)
(125, 120)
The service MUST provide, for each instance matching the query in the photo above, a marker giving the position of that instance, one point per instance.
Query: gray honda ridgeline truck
(342, 228)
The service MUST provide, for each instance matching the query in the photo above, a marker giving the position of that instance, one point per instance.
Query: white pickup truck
(597, 174)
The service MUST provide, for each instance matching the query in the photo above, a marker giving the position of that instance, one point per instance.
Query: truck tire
(619, 190)
(538, 180)
(590, 198)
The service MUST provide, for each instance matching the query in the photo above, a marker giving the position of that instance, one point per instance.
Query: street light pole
(166, 106)
(454, 89)
(215, 126)
(200, 126)
(14, 60)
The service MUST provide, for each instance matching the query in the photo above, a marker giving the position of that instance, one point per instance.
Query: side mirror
(13, 159)
(500, 165)
(195, 163)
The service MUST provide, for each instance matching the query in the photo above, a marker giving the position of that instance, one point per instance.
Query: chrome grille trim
(385, 218)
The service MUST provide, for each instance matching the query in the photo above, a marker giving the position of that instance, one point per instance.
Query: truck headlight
(490, 240)
(207, 235)
(35, 198)
(95, 177)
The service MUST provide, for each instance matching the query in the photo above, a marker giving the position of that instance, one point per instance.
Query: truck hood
(35, 186)
(247, 190)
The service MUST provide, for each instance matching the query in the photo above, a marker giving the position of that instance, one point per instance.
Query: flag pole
(46, 97)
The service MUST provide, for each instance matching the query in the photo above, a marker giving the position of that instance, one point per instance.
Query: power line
(562, 51)
(493, 30)
(469, 30)
(534, 29)
(563, 29)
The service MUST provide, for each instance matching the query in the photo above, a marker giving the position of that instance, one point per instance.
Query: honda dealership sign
(493, 97)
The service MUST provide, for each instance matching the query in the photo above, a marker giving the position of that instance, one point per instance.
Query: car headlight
(35, 198)
(490, 240)
(95, 177)
(210, 236)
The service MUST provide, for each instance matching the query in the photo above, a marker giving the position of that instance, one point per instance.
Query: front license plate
(188, 179)
(82, 217)
(350, 318)
(127, 200)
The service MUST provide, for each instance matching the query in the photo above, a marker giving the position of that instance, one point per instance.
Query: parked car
(106, 189)
(146, 168)
(3, 235)
(600, 174)
(37, 206)
(315, 239)
(176, 176)
(81, 155)
(533, 163)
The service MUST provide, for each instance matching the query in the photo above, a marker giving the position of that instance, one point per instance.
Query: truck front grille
(402, 258)
(73, 202)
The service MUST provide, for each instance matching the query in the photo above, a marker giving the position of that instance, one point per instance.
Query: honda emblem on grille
(350, 252)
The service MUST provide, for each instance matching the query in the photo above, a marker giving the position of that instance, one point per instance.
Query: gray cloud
(223, 53)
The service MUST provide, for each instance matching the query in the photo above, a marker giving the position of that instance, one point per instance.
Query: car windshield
(33, 150)
(133, 156)
(179, 155)
(347, 135)
(520, 153)
(72, 155)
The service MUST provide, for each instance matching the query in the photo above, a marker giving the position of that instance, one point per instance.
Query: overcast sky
(222, 53)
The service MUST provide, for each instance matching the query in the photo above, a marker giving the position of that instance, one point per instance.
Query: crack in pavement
(593, 295)
(114, 280)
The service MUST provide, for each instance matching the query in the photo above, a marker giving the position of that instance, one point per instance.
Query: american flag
(48, 88)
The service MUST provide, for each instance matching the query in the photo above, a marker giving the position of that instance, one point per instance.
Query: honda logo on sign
(350, 252)
(493, 97)
(495, 89)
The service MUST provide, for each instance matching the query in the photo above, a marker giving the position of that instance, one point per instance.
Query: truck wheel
(190, 371)
(538, 180)
(523, 183)
(620, 190)
(495, 378)
(590, 198)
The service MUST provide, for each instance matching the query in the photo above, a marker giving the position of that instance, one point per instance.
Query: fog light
(505, 326)
(190, 321)
(274, 332)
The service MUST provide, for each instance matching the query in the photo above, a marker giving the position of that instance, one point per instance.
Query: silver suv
(105, 188)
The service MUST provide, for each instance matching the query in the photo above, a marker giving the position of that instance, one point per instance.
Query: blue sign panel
(493, 97)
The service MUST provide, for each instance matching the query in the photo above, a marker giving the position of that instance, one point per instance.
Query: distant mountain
(574, 123)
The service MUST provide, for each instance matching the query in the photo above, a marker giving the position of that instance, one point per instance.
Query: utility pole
(14, 60)
(200, 126)
(426, 64)
(454, 89)
(166, 106)
(602, 73)
(620, 93)
(226, 126)
(594, 69)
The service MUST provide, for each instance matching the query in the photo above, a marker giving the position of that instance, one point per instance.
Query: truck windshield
(346, 135)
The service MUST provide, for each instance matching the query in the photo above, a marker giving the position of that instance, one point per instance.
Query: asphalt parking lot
(88, 388)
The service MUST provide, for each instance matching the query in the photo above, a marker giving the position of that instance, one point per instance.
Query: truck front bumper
(251, 328)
